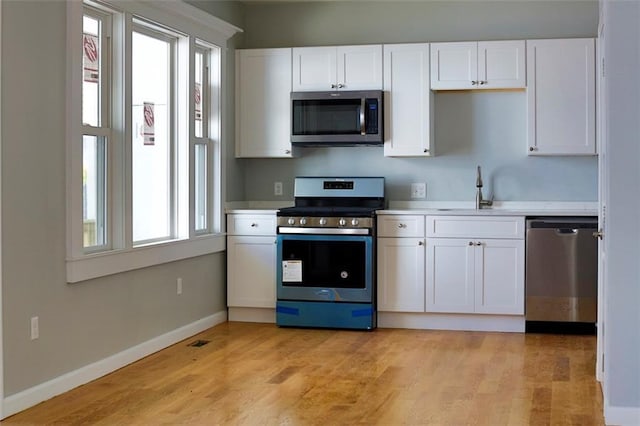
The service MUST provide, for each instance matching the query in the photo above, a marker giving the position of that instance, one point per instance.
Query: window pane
(91, 70)
(201, 187)
(199, 93)
(151, 139)
(94, 190)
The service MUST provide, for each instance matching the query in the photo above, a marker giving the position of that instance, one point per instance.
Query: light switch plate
(277, 188)
(419, 190)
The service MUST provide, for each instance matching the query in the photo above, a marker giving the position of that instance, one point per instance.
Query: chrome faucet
(480, 202)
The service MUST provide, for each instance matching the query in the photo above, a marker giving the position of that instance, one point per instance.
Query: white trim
(116, 261)
(621, 416)
(1, 289)
(466, 322)
(32, 396)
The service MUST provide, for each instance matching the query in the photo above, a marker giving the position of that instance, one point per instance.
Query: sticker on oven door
(291, 271)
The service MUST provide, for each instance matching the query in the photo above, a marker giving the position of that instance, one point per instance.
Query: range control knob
(342, 222)
(291, 221)
(303, 221)
(323, 221)
(354, 222)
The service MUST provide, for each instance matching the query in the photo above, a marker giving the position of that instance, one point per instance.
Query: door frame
(1, 292)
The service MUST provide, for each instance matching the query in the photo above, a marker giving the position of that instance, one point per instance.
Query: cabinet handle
(340, 86)
(478, 243)
(533, 148)
(420, 243)
(333, 86)
(254, 225)
(473, 82)
(426, 150)
(288, 151)
(483, 82)
(402, 225)
(470, 243)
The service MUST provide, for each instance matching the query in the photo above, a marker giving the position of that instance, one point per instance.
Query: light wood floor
(255, 374)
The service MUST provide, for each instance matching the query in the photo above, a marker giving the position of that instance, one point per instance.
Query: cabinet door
(450, 275)
(359, 67)
(401, 274)
(251, 269)
(314, 69)
(561, 97)
(408, 101)
(499, 271)
(454, 66)
(501, 64)
(263, 105)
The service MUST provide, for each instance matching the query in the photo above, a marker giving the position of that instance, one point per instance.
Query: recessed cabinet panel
(454, 65)
(500, 268)
(251, 272)
(263, 110)
(401, 274)
(501, 64)
(314, 68)
(360, 67)
(450, 276)
(561, 97)
(408, 101)
(478, 65)
(337, 68)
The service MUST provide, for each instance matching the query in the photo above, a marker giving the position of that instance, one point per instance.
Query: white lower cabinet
(475, 276)
(251, 261)
(475, 264)
(251, 272)
(401, 274)
(465, 265)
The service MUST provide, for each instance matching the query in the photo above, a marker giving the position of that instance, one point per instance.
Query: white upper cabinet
(337, 68)
(478, 65)
(561, 112)
(408, 101)
(263, 103)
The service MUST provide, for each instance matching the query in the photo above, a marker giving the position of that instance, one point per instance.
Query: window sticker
(198, 101)
(90, 55)
(148, 131)
(291, 271)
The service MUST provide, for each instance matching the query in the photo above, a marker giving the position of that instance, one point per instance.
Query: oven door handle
(323, 231)
(363, 130)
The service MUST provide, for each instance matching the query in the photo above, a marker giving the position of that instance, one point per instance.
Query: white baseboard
(621, 416)
(35, 395)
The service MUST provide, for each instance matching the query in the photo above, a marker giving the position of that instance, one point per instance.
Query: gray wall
(622, 235)
(84, 322)
(488, 129)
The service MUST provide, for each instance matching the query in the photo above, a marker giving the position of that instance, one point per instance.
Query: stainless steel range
(326, 253)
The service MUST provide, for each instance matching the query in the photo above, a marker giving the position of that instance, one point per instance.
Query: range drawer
(475, 227)
(248, 224)
(401, 226)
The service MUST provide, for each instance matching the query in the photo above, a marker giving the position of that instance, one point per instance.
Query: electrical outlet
(419, 190)
(179, 286)
(277, 188)
(35, 328)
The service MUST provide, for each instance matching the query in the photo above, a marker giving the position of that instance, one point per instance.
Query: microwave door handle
(362, 127)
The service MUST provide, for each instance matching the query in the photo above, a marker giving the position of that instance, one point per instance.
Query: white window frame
(122, 255)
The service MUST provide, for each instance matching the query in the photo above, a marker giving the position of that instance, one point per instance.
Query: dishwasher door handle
(566, 231)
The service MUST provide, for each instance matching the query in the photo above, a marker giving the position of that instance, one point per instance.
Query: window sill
(116, 261)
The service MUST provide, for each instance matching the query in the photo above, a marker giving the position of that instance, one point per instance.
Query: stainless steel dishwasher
(561, 283)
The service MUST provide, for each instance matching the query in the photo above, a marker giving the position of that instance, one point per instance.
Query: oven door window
(337, 264)
(335, 268)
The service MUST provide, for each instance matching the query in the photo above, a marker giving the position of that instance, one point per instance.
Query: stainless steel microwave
(338, 118)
